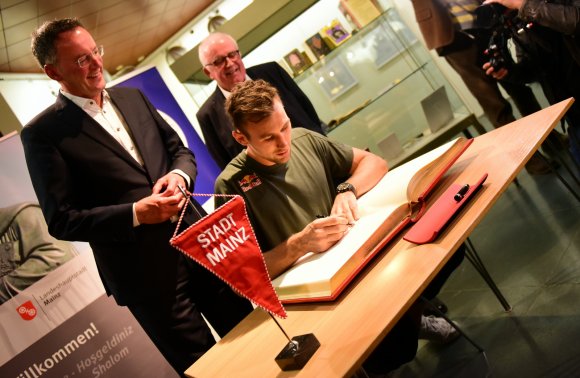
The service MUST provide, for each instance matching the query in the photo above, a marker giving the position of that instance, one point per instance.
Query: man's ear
(51, 72)
(206, 72)
(240, 138)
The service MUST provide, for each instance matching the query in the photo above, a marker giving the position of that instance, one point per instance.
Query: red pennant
(224, 242)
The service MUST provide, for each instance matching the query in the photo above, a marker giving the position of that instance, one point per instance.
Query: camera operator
(551, 53)
(448, 26)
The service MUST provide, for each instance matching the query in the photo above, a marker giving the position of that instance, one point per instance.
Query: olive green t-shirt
(283, 198)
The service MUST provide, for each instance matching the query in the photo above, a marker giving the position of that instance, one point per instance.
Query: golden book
(397, 200)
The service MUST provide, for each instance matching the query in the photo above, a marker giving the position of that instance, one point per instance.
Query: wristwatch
(346, 187)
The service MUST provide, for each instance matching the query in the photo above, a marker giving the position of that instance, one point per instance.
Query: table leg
(474, 258)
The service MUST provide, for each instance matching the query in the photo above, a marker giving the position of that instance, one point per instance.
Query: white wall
(27, 94)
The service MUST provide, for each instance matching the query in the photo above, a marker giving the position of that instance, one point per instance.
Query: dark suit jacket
(217, 128)
(86, 184)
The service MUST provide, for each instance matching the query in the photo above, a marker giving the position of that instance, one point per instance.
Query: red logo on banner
(27, 311)
(224, 242)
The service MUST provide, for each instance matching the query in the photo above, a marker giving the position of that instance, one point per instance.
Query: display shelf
(377, 89)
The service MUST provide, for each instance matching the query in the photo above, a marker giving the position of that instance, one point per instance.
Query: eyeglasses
(85, 59)
(220, 60)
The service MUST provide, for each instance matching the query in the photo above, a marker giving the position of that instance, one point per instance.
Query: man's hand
(321, 234)
(169, 183)
(158, 207)
(318, 236)
(490, 71)
(345, 205)
(165, 202)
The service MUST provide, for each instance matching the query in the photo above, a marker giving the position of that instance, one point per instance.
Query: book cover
(318, 45)
(397, 200)
(335, 33)
(361, 12)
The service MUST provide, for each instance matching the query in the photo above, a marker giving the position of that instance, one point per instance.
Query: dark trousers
(175, 324)
(397, 348)
(483, 87)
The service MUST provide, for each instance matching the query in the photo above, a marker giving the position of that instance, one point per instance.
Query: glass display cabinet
(380, 90)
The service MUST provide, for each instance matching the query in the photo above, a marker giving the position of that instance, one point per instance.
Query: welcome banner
(63, 325)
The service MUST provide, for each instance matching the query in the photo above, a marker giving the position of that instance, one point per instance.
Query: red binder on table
(440, 213)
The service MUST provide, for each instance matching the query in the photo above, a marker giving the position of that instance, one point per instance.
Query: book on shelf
(398, 199)
(361, 12)
(335, 33)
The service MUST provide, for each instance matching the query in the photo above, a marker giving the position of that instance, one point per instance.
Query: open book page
(383, 209)
(427, 177)
(393, 188)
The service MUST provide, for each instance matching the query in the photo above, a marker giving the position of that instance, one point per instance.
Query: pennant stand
(224, 243)
(298, 350)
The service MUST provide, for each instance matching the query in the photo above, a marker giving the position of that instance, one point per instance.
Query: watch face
(344, 187)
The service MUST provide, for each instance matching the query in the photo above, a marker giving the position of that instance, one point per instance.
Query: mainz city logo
(27, 311)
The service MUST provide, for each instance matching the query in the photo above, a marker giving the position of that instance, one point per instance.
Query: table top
(350, 327)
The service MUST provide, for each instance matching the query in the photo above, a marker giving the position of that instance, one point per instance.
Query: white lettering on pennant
(216, 230)
(229, 245)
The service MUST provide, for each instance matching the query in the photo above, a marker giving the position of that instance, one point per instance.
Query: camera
(503, 24)
(498, 56)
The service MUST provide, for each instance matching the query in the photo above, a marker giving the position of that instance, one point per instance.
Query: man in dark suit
(221, 60)
(106, 169)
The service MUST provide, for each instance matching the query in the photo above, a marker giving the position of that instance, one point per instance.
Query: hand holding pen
(346, 206)
(322, 233)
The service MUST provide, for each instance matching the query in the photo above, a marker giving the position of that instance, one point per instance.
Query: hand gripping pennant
(224, 243)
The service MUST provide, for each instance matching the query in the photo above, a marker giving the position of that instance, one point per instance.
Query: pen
(318, 216)
(459, 196)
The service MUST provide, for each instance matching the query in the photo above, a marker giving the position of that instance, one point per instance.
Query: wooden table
(350, 327)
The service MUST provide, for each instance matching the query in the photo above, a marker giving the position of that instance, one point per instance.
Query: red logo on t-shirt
(27, 311)
(249, 181)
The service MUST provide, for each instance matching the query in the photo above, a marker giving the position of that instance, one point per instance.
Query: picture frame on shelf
(336, 33)
(335, 78)
(318, 45)
(297, 61)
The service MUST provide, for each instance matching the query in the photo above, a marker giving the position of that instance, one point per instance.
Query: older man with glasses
(221, 59)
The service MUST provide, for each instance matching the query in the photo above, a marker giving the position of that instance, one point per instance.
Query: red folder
(440, 213)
